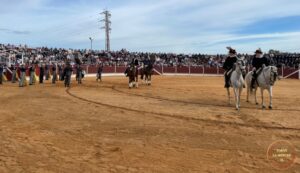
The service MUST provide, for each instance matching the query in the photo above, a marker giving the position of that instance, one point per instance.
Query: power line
(107, 28)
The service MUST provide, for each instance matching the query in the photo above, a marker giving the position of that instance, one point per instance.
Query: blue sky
(179, 26)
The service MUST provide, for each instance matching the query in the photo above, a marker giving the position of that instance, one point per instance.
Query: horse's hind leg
(271, 97)
(262, 98)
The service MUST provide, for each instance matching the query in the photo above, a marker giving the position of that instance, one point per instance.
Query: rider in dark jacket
(146, 62)
(258, 61)
(228, 65)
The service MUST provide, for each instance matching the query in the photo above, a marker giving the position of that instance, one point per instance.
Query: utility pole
(91, 39)
(107, 28)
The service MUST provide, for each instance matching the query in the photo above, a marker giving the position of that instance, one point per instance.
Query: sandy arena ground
(179, 124)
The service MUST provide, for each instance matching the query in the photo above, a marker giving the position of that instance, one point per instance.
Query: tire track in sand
(236, 124)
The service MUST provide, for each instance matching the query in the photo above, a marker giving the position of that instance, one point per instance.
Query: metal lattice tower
(107, 28)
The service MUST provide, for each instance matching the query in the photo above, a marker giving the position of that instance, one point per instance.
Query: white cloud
(169, 25)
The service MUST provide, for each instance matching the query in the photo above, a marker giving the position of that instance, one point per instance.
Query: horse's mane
(269, 67)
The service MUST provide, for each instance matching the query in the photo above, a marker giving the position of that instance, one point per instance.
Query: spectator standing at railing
(31, 74)
(47, 71)
(42, 73)
(54, 73)
(79, 73)
(14, 73)
(22, 82)
(1, 73)
(99, 72)
(67, 74)
(60, 71)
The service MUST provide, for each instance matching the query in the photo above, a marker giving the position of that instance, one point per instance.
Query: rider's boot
(227, 83)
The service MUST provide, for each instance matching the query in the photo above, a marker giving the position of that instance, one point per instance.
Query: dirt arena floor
(177, 125)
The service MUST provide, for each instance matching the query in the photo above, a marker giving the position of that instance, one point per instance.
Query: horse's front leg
(240, 93)
(130, 83)
(228, 95)
(236, 98)
(262, 98)
(255, 91)
(136, 84)
(149, 79)
(271, 97)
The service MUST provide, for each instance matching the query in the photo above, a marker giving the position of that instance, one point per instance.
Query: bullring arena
(179, 124)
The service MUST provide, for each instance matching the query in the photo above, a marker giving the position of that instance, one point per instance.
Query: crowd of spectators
(23, 54)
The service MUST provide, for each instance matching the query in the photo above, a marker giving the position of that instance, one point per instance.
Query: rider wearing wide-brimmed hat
(258, 61)
(228, 65)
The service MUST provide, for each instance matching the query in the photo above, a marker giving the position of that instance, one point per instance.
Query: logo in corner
(281, 154)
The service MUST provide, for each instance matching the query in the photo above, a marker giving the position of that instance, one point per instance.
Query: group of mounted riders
(133, 69)
(262, 76)
(259, 60)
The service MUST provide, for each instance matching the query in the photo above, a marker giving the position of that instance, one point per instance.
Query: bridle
(241, 64)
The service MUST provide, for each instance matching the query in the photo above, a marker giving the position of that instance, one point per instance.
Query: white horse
(237, 82)
(265, 81)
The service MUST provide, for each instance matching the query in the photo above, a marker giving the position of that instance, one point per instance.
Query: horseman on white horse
(258, 61)
(263, 76)
(234, 75)
(229, 64)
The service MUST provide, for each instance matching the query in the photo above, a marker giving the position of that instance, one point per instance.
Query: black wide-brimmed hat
(231, 50)
(258, 51)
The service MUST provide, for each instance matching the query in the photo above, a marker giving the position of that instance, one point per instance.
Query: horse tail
(248, 80)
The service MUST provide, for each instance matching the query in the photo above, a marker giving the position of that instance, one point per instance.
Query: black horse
(132, 73)
(146, 72)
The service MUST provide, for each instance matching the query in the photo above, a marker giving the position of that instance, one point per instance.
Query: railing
(183, 70)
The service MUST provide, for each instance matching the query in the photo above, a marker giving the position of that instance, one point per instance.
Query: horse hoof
(263, 107)
(270, 107)
(256, 103)
(247, 101)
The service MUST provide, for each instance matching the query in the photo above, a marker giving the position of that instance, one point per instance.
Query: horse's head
(273, 74)
(240, 65)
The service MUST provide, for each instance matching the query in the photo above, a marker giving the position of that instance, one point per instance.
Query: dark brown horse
(132, 73)
(146, 72)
